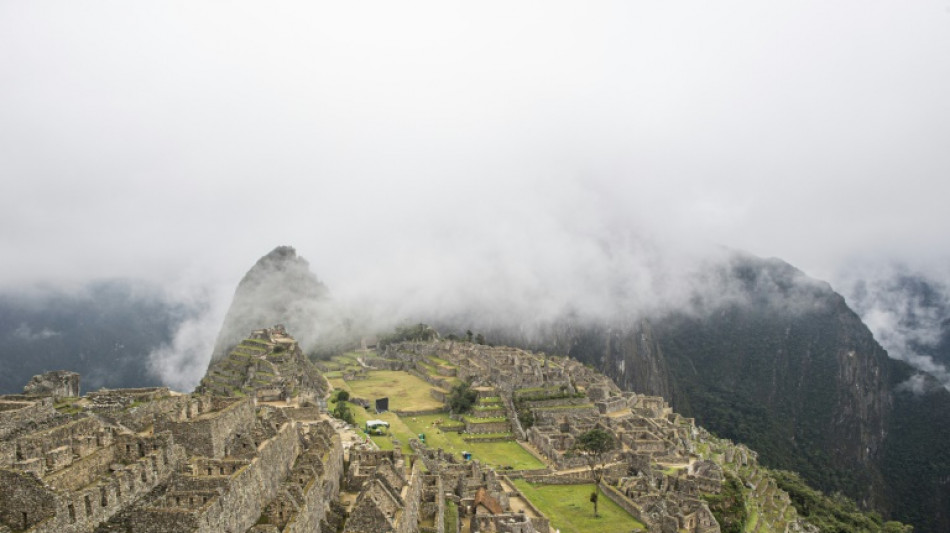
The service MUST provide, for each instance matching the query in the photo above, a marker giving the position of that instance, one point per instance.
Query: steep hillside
(916, 459)
(278, 289)
(807, 387)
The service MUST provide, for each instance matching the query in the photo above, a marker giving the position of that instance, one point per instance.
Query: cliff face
(630, 355)
(808, 389)
(278, 289)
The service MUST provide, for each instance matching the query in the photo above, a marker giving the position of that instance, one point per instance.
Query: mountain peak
(278, 289)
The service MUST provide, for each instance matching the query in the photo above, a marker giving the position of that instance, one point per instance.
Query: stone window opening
(26, 519)
(103, 497)
(72, 513)
(88, 501)
(144, 477)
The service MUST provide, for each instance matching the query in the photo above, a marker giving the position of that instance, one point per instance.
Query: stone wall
(225, 504)
(207, 434)
(421, 412)
(311, 515)
(409, 523)
(304, 413)
(487, 427)
(241, 505)
(582, 477)
(139, 417)
(24, 501)
(81, 510)
(626, 503)
(516, 427)
(15, 415)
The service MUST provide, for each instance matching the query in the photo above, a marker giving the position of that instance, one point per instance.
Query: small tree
(342, 411)
(462, 398)
(595, 447)
(342, 396)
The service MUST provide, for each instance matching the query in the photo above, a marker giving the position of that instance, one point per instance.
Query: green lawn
(569, 509)
(406, 392)
(506, 453)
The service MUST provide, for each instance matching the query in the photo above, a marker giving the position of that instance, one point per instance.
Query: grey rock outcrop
(58, 384)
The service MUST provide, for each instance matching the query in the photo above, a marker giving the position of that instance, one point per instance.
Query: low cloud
(908, 312)
(182, 363)
(23, 331)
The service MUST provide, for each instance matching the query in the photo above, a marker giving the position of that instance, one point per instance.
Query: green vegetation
(462, 398)
(595, 446)
(831, 513)
(497, 454)
(451, 515)
(567, 508)
(342, 411)
(418, 332)
(729, 506)
(406, 392)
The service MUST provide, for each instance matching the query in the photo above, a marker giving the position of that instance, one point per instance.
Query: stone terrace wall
(319, 493)
(81, 510)
(138, 418)
(487, 427)
(240, 506)
(24, 500)
(409, 523)
(17, 414)
(207, 434)
(626, 503)
(236, 509)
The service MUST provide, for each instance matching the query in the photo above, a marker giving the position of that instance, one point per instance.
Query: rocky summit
(278, 289)
(254, 449)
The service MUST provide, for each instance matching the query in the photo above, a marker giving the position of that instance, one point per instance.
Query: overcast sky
(180, 141)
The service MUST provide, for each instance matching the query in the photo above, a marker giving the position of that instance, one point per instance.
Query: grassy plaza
(569, 509)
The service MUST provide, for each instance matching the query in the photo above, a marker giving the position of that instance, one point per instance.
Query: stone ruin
(56, 384)
(149, 460)
(655, 472)
(270, 366)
